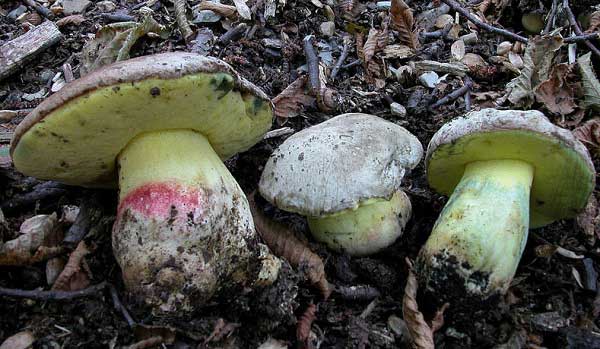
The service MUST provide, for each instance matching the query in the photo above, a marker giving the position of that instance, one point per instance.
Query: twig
(551, 16)
(52, 295)
(305, 323)
(468, 100)
(340, 61)
(441, 33)
(577, 28)
(312, 62)
(452, 95)
(39, 9)
(73, 267)
(182, 22)
(117, 17)
(41, 191)
(580, 38)
(352, 64)
(119, 306)
(90, 213)
(233, 33)
(463, 11)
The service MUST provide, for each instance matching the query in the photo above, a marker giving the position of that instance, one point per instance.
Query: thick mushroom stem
(477, 241)
(372, 226)
(183, 229)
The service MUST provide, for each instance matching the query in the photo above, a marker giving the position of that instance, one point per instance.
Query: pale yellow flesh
(181, 156)
(562, 180)
(372, 226)
(485, 222)
(78, 143)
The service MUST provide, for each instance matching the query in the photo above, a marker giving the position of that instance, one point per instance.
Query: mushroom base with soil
(372, 226)
(477, 241)
(184, 229)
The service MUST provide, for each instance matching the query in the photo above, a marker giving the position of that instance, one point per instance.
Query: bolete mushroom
(159, 127)
(505, 171)
(345, 176)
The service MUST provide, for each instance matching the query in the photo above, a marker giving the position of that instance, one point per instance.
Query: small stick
(119, 306)
(468, 100)
(39, 9)
(452, 95)
(41, 191)
(233, 33)
(182, 21)
(312, 61)
(52, 295)
(352, 64)
(551, 17)
(340, 60)
(441, 33)
(90, 213)
(116, 17)
(463, 11)
(580, 38)
(577, 28)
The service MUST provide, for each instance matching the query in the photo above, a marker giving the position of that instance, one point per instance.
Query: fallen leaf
(376, 42)
(496, 7)
(243, 9)
(539, 57)
(555, 93)
(71, 20)
(591, 85)
(403, 22)
(73, 277)
(21, 340)
(292, 100)
(36, 232)
(113, 42)
(594, 22)
(589, 133)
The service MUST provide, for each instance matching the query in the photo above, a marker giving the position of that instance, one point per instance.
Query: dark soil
(542, 284)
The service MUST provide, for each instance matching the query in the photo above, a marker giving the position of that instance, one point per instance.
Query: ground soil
(542, 284)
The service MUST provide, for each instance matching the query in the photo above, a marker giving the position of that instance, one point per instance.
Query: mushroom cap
(564, 174)
(338, 164)
(75, 135)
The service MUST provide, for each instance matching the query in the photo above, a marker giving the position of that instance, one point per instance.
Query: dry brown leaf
(589, 133)
(594, 22)
(71, 276)
(589, 220)
(494, 7)
(421, 333)
(350, 9)
(21, 340)
(284, 244)
(292, 100)
(71, 20)
(376, 42)
(556, 94)
(402, 21)
(36, 232)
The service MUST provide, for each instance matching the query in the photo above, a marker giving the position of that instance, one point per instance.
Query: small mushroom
(505, 171)
(345, 176)
(159, 127)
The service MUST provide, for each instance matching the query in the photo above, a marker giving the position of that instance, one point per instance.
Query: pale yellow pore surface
(367, 229)
(182, 156)
(485, 223)
(78, 143)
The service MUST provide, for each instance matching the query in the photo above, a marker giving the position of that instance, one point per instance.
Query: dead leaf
(591, 85)
(21, 340)
(589, 220)
(71, 20)
(73, 277)
(539, 57)
(243, 9)
(292, 100)
(556, 94)
(376, 42)
(403, 22)
(594, 22)
(36, 232)
(589, 133)
(113, 42)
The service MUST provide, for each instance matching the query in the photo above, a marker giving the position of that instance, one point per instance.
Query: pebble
(429, 79)
(398, 109)
(328, 28)
(106, 6)
(71, 7)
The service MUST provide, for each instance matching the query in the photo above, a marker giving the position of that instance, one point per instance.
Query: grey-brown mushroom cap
(75, 135)
(338, 164)
(564, 175)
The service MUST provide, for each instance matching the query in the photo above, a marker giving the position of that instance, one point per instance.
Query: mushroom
(159, 127)
(345, 175)
(505, 171)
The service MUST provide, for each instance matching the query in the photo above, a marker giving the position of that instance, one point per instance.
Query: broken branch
(52, 295)
(452, 96)
(182, 23)
(577, 28)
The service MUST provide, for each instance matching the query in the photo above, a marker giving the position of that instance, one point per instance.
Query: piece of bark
(15, 53)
